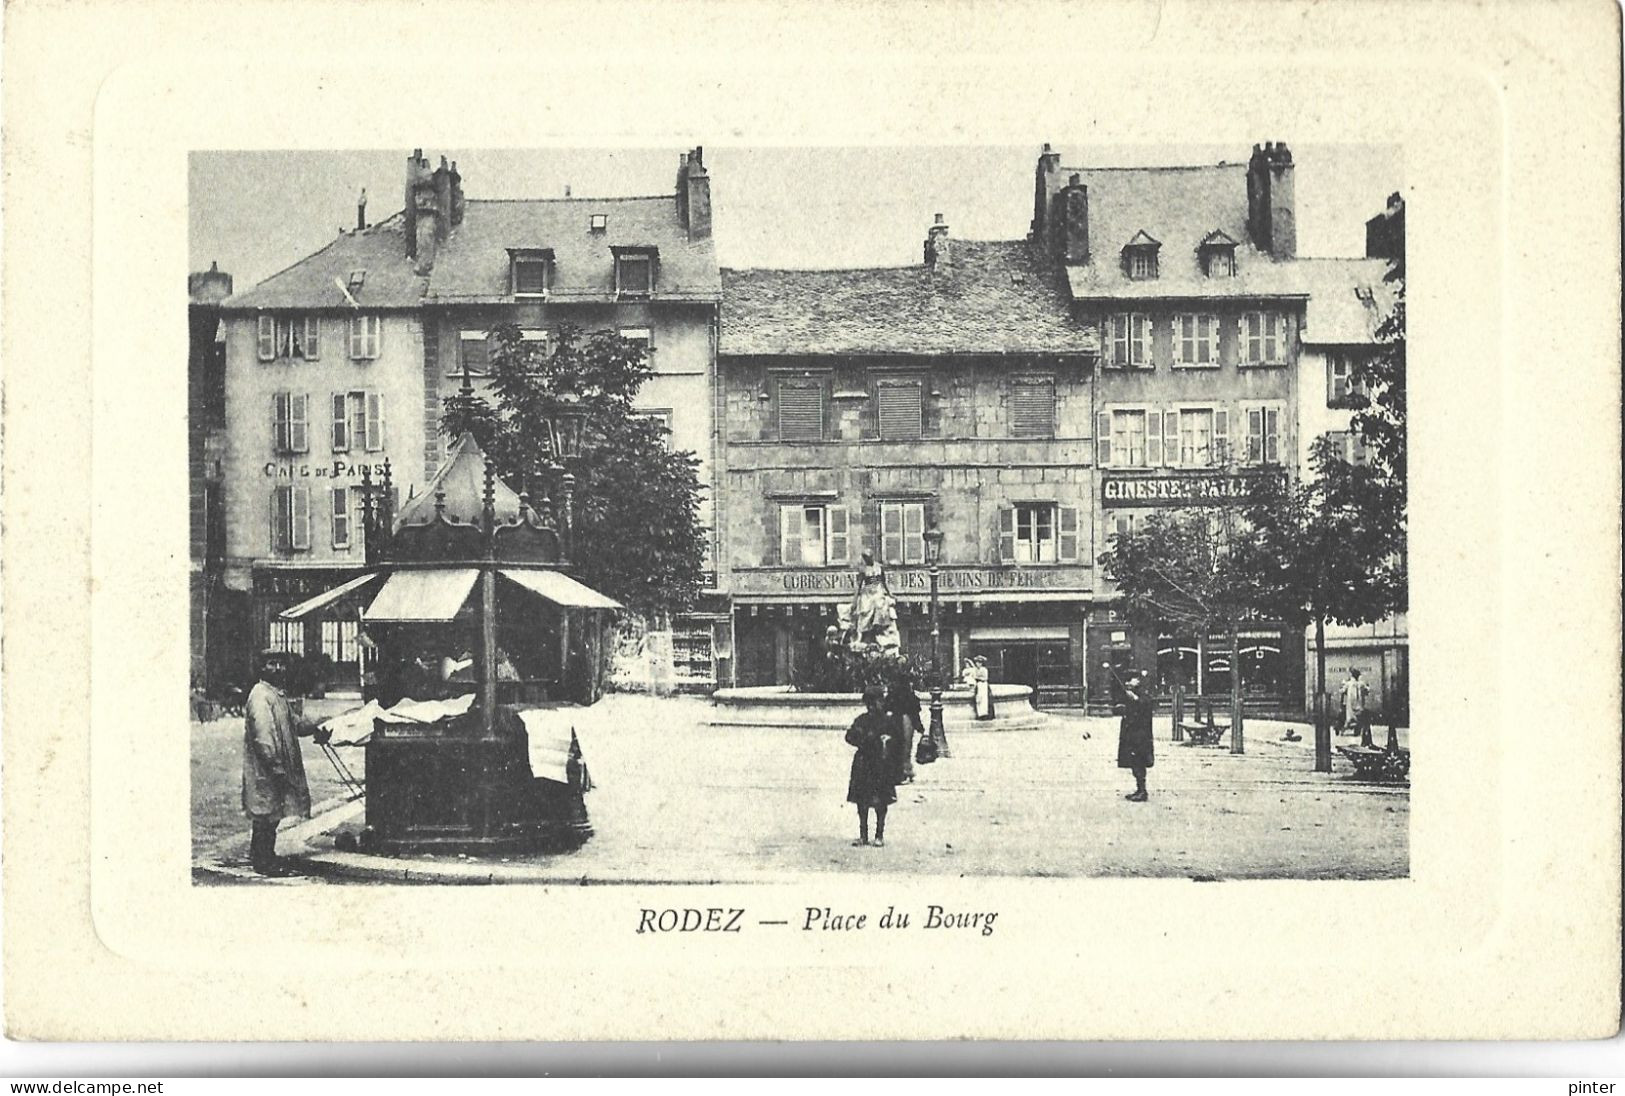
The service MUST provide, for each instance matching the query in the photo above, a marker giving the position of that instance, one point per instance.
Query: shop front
(1029, 623)
(326, 642)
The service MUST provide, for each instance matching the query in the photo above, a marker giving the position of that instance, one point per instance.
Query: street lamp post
(933, 557)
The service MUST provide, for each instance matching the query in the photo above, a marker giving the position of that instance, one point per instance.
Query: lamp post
(933, 558)
(566, 416)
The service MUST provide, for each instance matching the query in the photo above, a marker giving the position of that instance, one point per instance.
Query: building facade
(1189, 277)
(209, 612)
(337, 367)
(862, 407)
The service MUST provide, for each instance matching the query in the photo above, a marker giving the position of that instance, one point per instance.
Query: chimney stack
(1271, 208)
(434, 204)
(361, 210)
(694, 194)
(938, 250)
(1385, 233)
(1049, 162)
(456, 196)
(209, 286)
(1072, 233)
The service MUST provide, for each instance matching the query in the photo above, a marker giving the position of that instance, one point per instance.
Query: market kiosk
(476, 643)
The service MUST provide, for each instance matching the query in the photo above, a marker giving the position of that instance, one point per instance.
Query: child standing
(871, 786)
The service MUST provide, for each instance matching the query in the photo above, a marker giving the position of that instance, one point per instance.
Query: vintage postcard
(636, 555)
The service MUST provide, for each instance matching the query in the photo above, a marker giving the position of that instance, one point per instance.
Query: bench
(1204, 734)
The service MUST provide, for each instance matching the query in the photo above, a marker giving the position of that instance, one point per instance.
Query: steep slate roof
(472, 264)
(1337, 315)
(380, 250)
(996, 297)
(1179, 206)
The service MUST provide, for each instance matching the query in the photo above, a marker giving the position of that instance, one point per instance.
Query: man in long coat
(1134, 748)
(274, 784)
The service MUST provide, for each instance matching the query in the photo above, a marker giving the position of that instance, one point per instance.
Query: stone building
(209, 615)
(860, 407)
(1188, 275)
(340, 363)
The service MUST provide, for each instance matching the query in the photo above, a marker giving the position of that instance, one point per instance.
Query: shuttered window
(529, 277)
(374, 433)
(1032, 409)
(1128, 439)
(1196, 339)
(366, 337)
(290, 518)
(358, 421)
(1034, 533)
(801, 410)
(1103, 439)
(1131, 340)
(1264, 434)
(290, 423)
(1195, 437)
(266, 338)
(902, 532)
(1263, 338)
(899, 412)
(812, 534)
(341, 512)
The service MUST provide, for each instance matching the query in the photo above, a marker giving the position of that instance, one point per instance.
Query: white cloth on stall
(355, 727)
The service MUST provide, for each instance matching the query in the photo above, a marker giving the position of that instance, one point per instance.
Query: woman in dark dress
(872, 785)
(904, 703)
(1134, 749)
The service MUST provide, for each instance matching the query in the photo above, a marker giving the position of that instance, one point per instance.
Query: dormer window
(1217, 253)
(634, 271)
(1140, 257)
(531, 271)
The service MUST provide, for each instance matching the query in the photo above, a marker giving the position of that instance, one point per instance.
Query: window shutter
(341, 423)
(1221, 437)
(357, 336)
(1140, 339)
(280, 502)
(1120, 352)
(340, 497)
(301, 517)
(1153, 438)
(1103, 439)
(377, 336)
(1253, 337)
(299, 423)
(1170, 439)
(266, 338)
(1187, 337)
(891, 532)
(1209, 333)
(790, 534)
(801, 410)
(914, 533)
(313, 337)
(838, 538)
(1069, 534)
(1273, 339)
(1007, 534)
(899, 410)
(375, 421)
(279, 422)
(1032, 409)
(1272, 436)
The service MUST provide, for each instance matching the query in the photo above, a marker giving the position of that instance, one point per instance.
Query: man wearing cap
(1134, 749)
(273, 770)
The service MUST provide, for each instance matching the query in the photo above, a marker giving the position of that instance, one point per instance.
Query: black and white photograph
(729, 514)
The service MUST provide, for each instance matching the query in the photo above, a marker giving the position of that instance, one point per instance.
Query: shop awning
(562, 590)
(428, 596)
(320, 600)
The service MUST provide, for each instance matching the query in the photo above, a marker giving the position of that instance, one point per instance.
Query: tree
(1382, 426)
(1185, 568)
(1323, 549)
(637, 532)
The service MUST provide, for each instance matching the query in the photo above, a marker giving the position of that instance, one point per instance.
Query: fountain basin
(782, 706)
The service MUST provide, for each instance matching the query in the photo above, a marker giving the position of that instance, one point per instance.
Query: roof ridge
(573, 198)
(1159, 167)
(817, 269)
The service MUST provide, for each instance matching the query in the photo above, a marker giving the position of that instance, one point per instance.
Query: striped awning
(429, 596)
(310, 605)
(561, 589)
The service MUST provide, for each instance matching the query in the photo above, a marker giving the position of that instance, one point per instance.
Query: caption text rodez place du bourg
(681, 919)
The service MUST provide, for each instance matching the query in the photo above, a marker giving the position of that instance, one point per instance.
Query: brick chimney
(1385, 233)
(1271, 217)
(1049, 162)
(938, 248)
(1072, 213)
(361, 210)
(694, 194)
(456, 196)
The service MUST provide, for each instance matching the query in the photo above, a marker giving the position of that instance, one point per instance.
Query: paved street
(676, 800)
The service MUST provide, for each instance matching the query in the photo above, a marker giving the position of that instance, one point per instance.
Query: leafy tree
(1382, 426)
(636, 505)
(1324, 549)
